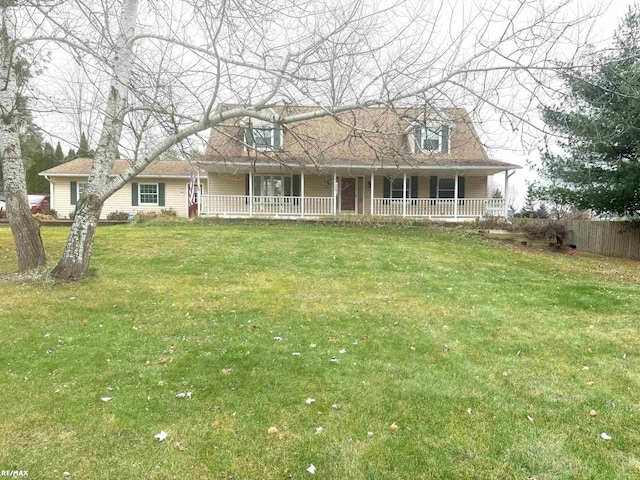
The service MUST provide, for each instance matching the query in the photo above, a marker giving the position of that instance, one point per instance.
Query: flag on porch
(192, 190)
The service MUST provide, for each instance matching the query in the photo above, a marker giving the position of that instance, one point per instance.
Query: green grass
(434, 322)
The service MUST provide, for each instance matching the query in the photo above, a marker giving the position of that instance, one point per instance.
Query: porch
(309, 196)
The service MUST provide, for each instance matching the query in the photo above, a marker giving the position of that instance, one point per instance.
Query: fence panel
(614, 239)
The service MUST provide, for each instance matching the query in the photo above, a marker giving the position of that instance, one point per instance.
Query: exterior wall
(474, 187)
(227, 184)
(175, 196)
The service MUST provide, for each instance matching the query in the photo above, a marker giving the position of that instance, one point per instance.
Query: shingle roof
(81, 167)
(369, 138)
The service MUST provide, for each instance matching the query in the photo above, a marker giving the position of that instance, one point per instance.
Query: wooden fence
(614, 239)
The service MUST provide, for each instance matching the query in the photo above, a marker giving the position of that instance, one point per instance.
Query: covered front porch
(445, 195)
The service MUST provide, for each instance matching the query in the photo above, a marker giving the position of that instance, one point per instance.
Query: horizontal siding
(227, 184)
(175, 197)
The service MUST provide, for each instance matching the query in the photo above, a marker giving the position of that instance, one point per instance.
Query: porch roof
(354, 165)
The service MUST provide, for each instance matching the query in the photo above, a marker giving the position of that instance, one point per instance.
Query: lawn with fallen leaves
(320, 352)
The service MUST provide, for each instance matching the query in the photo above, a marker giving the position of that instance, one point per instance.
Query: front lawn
(374, 353)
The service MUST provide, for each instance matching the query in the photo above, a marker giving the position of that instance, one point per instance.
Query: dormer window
(431, 139)
(264, 136)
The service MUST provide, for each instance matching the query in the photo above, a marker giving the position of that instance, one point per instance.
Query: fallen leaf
(343, 350)
(227, 371)
(255, 328)
(590, 382)
(296, 354)
(311, 469)
(319, 430)
(585, 368)
(66, 474)
(181, 395)
(334, 360)
(370, 434)
(162, 361)
(593, 413)
(309, 401)
(412, 348)
(530, 418)
(147, 363)
(393, 427)
(313, 345)
(161, 436)
(272, 430)
(106, 399)
(277, 339)
(336, 406)
(469, 411)
(604, 436)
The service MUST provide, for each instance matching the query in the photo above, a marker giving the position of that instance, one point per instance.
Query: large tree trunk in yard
(77, 254)
(25, 228)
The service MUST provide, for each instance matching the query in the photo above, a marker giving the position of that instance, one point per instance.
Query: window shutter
(134, 194)
(387, 188)
(161, 194)
(445, 139)
(277, 136)
(248, 136)
(414, 187)
(296, 186)
(417, 135)
(433, 187)
(246, 188)
(74, 193)
(460, 187)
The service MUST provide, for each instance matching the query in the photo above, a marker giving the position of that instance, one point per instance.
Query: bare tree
(171, 66)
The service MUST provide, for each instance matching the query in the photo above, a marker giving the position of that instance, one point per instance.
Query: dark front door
(348, 194)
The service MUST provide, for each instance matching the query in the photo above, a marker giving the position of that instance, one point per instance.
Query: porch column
(250, 192)
(302, 194)
(372, 185)
(199, 208)
(335, 193)
(404, 194)
(455, 197)
(506, 194)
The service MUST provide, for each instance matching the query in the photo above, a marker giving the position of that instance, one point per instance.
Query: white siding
(175, 192)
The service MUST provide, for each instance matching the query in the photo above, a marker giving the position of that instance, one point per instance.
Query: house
(162, 185)
(377, 161)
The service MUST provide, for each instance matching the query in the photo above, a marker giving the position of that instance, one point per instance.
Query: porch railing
(432, 207)
(262, 205)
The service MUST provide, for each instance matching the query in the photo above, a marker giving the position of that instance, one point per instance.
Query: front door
(348, 194)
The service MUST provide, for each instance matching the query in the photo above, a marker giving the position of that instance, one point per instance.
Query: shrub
(119, 216)
(168, 212)
(41, 217)
(52, 213)
(72, 215)
(494, 223)
(554, 232)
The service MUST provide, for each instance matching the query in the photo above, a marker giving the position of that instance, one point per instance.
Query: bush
(494, 223)
(52, 213)
(72, 215)
(554, 232)
(168, 212)
(41, 217)
(119, 216)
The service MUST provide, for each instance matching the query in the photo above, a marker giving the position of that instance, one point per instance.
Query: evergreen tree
(59, 155)
(71, 154)
(83, 148)
(599, 117)
(528, 210)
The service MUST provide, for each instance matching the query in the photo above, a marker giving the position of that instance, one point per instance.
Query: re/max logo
(15, 473)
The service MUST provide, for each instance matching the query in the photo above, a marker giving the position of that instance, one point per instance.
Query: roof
(371, 138)
(81, 167)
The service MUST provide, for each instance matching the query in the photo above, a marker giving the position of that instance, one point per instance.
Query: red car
(39, 203)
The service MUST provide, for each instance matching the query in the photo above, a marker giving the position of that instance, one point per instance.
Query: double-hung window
(80, 189)
(431, 139)
(397, 187)
(446, 187)
(272, 185)
(264, 136)
(148, 194)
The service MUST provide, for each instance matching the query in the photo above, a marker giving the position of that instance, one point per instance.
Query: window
(264, 136)
(396, 187)
(80, 189)
(148, 194)
(446, 187)
(272, 185)
(431, 139)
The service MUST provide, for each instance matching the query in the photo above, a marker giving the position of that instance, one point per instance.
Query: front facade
(369, 162)
(163, 185)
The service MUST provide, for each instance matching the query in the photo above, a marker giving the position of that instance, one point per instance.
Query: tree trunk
(75, 260)
(25, 229)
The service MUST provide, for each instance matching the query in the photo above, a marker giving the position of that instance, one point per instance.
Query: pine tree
(59, 155)
(83, 148)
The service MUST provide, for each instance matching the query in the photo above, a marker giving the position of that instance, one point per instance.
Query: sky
(605, 26)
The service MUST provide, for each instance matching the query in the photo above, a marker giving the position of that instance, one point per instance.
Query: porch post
(335, 193)
(404, 194)
(506, 194)
(372, 185)
(455, 197)
(250, 192)
(302, 193)
(199, 195)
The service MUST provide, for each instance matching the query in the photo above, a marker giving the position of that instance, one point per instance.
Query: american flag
(192, 190)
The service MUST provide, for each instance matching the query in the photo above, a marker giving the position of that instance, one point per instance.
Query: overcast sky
(605, 27)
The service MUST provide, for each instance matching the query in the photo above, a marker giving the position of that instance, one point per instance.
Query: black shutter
(433, 187)
(414, 187)
(74, 193)
(248, 136)
(246, 190)
(387, 188)
(445, 139)
(295, 190)
(460, 187)
(134, 194)
(161, 194)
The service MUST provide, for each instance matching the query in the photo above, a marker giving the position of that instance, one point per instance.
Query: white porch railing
(433, 207)
(276, 206)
